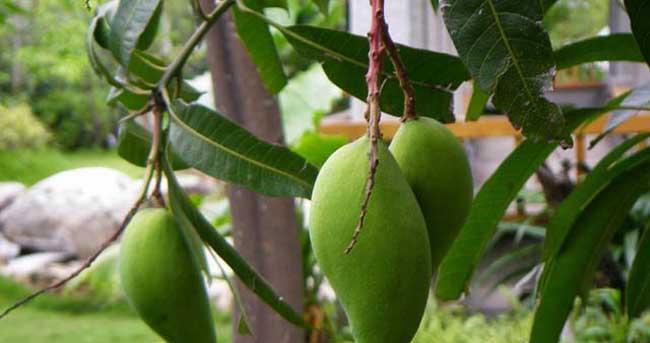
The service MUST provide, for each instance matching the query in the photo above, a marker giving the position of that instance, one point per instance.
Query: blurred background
(64, 188)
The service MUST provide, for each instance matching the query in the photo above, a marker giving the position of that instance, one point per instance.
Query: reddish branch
(400, 72)
(373, 114)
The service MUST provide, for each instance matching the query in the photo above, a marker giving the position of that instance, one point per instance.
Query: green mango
(383, 283)
(162, 280)
(435, 165)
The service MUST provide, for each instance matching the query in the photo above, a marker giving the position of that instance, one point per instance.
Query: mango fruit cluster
(421, 197)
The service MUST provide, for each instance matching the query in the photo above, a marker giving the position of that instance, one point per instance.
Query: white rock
(73, 211)
(8, 250)
(26, 266)
(9, 191)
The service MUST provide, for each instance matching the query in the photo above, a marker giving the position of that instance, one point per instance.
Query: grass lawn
(52, 319)
(31, 166)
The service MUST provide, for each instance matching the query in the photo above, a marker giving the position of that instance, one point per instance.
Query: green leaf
(567, 272)
(615, 47)
(131, 101)
(255, 35)
(240, 267)
(146, 67)
(639, 97)
(638, 285)
(598, 179)
(316, 147)
(507, 51)
(477, 103)
(191, 237)
(345, 60)
(489, 206)
(218, 147)
(131, 27)
(134, 143)
(100, 31)
(638, 12)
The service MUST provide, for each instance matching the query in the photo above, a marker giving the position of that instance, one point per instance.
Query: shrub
(19, 128)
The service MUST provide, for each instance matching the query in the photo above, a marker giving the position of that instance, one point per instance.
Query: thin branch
(400, 73)
(136, 114)
(193, 41)
(155, 146)
(373, 114)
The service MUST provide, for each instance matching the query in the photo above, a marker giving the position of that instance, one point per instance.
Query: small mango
(162, 281)
(383, 283)
(435, 165)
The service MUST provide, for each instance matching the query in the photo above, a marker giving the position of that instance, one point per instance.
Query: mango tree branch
(373, 113)
(153, 153)
(400, 73)
(175, 67)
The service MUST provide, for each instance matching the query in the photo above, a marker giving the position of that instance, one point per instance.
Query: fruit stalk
(400, 73)
(373, 113)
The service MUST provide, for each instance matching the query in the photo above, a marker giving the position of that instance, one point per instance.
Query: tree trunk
(265, 229)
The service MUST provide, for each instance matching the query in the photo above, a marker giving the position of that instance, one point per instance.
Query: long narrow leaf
(638, 286)
(489, 206)
(132, 26)
(218, 147)
(577, 262)
(257, 38)
(477, 103)
(249, 277)
(638, 12)
(599, 178)
(614, 47)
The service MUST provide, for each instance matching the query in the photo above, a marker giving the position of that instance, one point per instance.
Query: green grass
(31, 166)
(55, 319)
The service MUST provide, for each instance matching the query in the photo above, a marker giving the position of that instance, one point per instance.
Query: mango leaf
(491, 203)
(638, 12)
(218, 147)
(133, 26)
(132, 102)
(638, 285)
(248, 276)
(567, 271)
(134, 143)
(599, 178)
(191, 237)
(507, 51)
(345, 61)
(637, 99)
(614, 47)
(146, 67)
(477, 103)
(255, 35)
(316, 148)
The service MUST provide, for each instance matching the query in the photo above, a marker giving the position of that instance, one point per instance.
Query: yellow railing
(489, 126)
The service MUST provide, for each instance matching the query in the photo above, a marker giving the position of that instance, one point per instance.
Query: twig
(136, 114)
(400, 73)
(134, 209)
(192, 42)
(374, 112)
